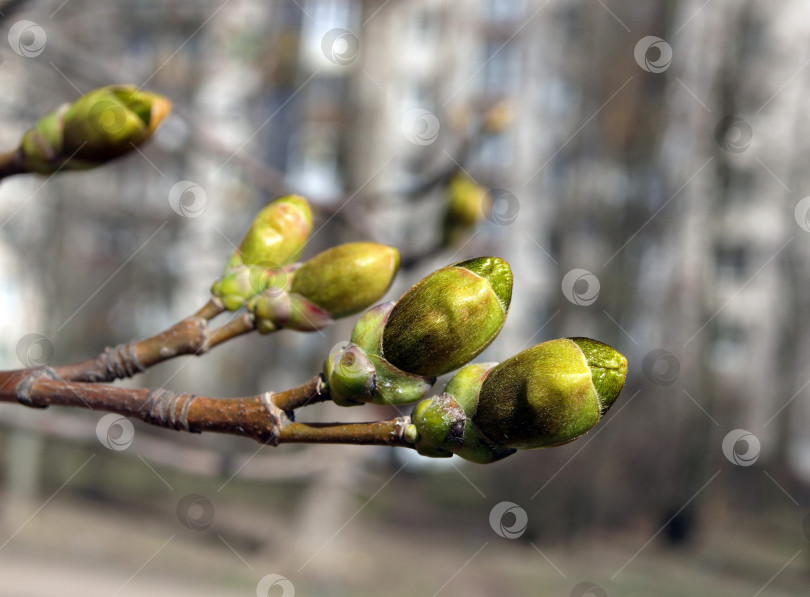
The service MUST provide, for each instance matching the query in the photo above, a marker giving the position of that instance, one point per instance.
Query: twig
(262, 417)
(191, 336)
(10, 164)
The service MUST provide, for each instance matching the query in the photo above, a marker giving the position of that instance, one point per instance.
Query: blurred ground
(77, 548)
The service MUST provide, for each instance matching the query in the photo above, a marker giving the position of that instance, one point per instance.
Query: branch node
(121, 361)
(161, 409)
(277, 417)
(22, 390)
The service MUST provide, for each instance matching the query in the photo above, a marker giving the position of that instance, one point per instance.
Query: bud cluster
(547, 395)
(260, 274)
(99, 126)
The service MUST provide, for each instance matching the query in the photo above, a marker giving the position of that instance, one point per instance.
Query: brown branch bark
(191, 336)
(10, 164)
(265, 417)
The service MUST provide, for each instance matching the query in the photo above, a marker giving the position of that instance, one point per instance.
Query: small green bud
(444, 422)
(440, 421)
(549, 394)
(465, 200)
(449, 317)
(348, 278)
(278, 233)
(391, 385)
(349, 374)
(99, 126)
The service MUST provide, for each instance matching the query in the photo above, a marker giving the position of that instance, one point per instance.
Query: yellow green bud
(99, 126)
(278, 233)
(449, 317)
(348, 278)
(465, 201)
(549, 394)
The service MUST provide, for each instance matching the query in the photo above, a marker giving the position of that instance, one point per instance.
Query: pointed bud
(449, 317)
(99, 126)
(549, 394)
(348, 278)
(465, 200)
(278, 233)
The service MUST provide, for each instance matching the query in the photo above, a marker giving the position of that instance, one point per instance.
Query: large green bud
(99, 126)
(439, 324)
(549, 394)
(545, 396)
(275, 238)
(348, 278)
(449, 317)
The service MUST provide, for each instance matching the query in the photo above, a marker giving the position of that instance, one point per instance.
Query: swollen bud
(99, 126)
(549, 394)
(278, 233)
(348, 278)
(449, 317)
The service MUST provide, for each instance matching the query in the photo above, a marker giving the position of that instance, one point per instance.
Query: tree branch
(266, 417)
(10, 164)
(191, 336)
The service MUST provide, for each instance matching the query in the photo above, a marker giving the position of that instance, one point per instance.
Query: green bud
(391, 385)
(278, 233)
(608, 369)
(465, 200)
(275, 309)
(348, 278)
(99, 126)
(349, 374)
(549, 394)
(443, 423)
(448, 317)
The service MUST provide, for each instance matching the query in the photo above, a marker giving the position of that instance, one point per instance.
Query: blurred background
(640, 166)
